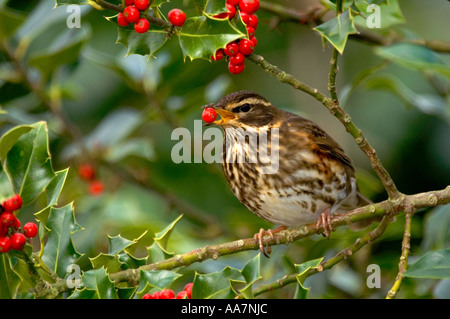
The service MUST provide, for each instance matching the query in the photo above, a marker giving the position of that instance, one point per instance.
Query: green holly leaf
(302, 272)
(337, 30)
(434, 264)
(10, 138)
(158, 279)
(251, 273)
(162, 238)
(140, 43)
(97, 280)
(389, 14)
(54, 188)
(59, 251)
(68, 2)
(84, 293)
(111, 263)
(9, 279)
(28, 163)
(200, 37)
(117, 244)
(414, 56)
(217, 285)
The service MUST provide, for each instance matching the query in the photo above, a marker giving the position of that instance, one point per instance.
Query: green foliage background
(124, 109)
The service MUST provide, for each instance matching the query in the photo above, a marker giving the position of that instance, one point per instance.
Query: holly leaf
(97, 280)
(10, 20)
(216, 285)
(158, 279)
(414, 56)
(161, 238)
(28, 163)
(9, 279)
(251, 273)
(337, 30)
(140, 43)
(59, 251)
(302, 272)
(200, 37)
(434, 264)
(68, 2)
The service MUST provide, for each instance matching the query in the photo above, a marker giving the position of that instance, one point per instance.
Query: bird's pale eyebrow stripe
(253, 100)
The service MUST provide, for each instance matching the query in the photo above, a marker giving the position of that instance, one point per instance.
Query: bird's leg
(324, 221)
(259, 237)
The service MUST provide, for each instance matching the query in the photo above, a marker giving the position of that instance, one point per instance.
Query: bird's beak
(225, 116)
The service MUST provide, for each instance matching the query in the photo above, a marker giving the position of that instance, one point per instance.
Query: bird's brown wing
(321, 141)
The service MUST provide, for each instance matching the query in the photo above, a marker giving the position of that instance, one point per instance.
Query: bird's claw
(324, 222)
(259, 237)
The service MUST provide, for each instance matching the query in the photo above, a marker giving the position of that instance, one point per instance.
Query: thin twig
(403, 258)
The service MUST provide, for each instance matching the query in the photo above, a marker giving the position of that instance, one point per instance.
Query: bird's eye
(245, 107)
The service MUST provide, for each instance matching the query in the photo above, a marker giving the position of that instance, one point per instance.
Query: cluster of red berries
(237, 50)
(169, 294)
(132, 14)
(11, 236)
(86, 171)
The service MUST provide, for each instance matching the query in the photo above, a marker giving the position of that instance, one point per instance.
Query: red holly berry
(246, 47)
(166, 294)
(7, 219)
(86, 171)
(177, 17)
(12, 204)
(231, 11)
(250, 32)
(244, 17)
(129, 2)
(142, 25)
(147, 296)
(218, 56)
(141, 4)
(122, 20)
(188, 289)
(157, 295)
(249, 6)
(233, 2)
(231, 49)
(181, 295)
(255, 41)
(96, 188)
(253, 21)
(5, 244)
(131, 14)
(30, 230)
(16, 223)
(18, 240)
(237, 59)
(209, 115)
(236, 69)
(3, 230)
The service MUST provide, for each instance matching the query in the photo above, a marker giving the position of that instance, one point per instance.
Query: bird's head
(244, 108)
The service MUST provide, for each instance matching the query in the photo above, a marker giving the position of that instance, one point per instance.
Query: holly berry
(249, 6)
(18, 240)
(218, 56)
(177, 17)
(231, 11)
(246, 47)
(233, 2)
(12, 204)
(16, 223)
(209, 115)
(122, 20)
(131, 14)
(237, 59)
(181, 295)
(3, 230)
(147, 296)
(96, 188)
(255, 41)
(5, 244)
(250, 32)
(236, 69)
(244, 17)
(166, 294)
(141, 4)
(7, 218)
(142, 25)
(129, 2)
(188, 289)
(253, 21)
(86, 171)
(30, 230)
(231, 49)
